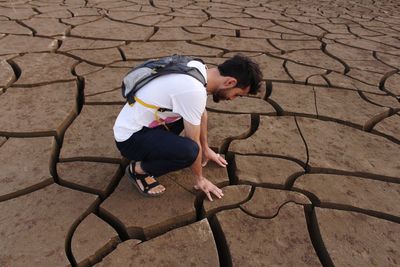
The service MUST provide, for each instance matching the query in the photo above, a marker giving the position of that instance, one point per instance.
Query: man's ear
(230, 82)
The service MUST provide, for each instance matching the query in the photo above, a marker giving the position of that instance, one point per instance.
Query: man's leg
(158, 151)
(167, 152)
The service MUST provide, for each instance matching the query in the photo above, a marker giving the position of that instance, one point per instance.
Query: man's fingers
(204, 163)
(209, 196)
(220, 191)
(223, 160)
(217, 193)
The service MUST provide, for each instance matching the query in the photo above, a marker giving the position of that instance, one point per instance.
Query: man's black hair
(244, 70)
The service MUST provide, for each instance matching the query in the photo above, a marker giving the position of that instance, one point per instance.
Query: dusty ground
(314, 169)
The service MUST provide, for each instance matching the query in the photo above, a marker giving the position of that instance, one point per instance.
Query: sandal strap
(147, 187)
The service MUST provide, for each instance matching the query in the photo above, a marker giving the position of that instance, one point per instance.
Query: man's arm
(208, 153)
(204, 127)
(193, 132)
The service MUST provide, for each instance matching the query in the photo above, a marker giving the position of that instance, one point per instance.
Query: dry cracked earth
(314, 171)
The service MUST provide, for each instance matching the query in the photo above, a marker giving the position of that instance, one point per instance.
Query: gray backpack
(151, 69)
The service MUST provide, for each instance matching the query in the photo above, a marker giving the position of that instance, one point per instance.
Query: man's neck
(212, 80)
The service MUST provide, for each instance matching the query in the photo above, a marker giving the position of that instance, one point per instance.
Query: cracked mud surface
(314, 172)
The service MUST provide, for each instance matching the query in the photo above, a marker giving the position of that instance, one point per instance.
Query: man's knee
(190, 152)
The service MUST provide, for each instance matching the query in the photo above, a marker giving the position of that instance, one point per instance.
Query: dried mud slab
(182, 21)
(233, 196)
(159, 49)
(226, 14)
(149, 20)
(105, 85)
(43, 110)
(268, 241)
(367, 77)
(128, 13)
(242, 105)
(272, 68)
(375, 67)
(354, 191)
(13, 27)
(98, 56)
(191, 10)
(265, 170)
(371, 45)
(382, 100)
(84, 68)
(266, 13)
(7, 75)
(14, 13)
(353, 238)
(221, 25)
(343, 81)
(2, 140)
(176, 34)
(390, 126)
(14, 44)
(392, 84)
(257, 33)
(211, 30)
(317, 80)
(390, 60)
(90, 136)
(345, 105)
(55, 12)
(274, 136)
(252, 23)
(301, 73)
(348, 53)
(225, 127)
(95, 176)
(290, 45)
(150, 215)
(112, 30)
(47, 26)
(239, 44)
(72, 43)
(24, 164)
(189, 245)
(38, 224)
(305, 28)
(266, 202)
(212, 171)
(42, 68)
(334, 28)
(335, 146)
(80, 11)
(315, 58)
(75, 21)
(294, 98)
(92, 239)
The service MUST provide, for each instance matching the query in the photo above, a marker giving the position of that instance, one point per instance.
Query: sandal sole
(133, 181)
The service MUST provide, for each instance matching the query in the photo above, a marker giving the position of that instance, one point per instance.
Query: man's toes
(157, 189)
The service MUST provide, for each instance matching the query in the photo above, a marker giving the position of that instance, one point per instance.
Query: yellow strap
(145, 104)
(153, 107)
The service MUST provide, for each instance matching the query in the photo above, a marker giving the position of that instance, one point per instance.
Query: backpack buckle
(163, 109)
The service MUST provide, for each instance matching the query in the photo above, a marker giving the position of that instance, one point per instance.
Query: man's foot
(146, 184)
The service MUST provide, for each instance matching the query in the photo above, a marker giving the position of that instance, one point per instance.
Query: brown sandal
(133, 177)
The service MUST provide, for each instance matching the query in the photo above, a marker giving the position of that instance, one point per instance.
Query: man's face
(229, 93)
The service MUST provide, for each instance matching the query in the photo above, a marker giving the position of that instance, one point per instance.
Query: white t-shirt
(183, 94)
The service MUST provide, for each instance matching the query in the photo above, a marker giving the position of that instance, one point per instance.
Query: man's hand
(209, 154)
(207, 187)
